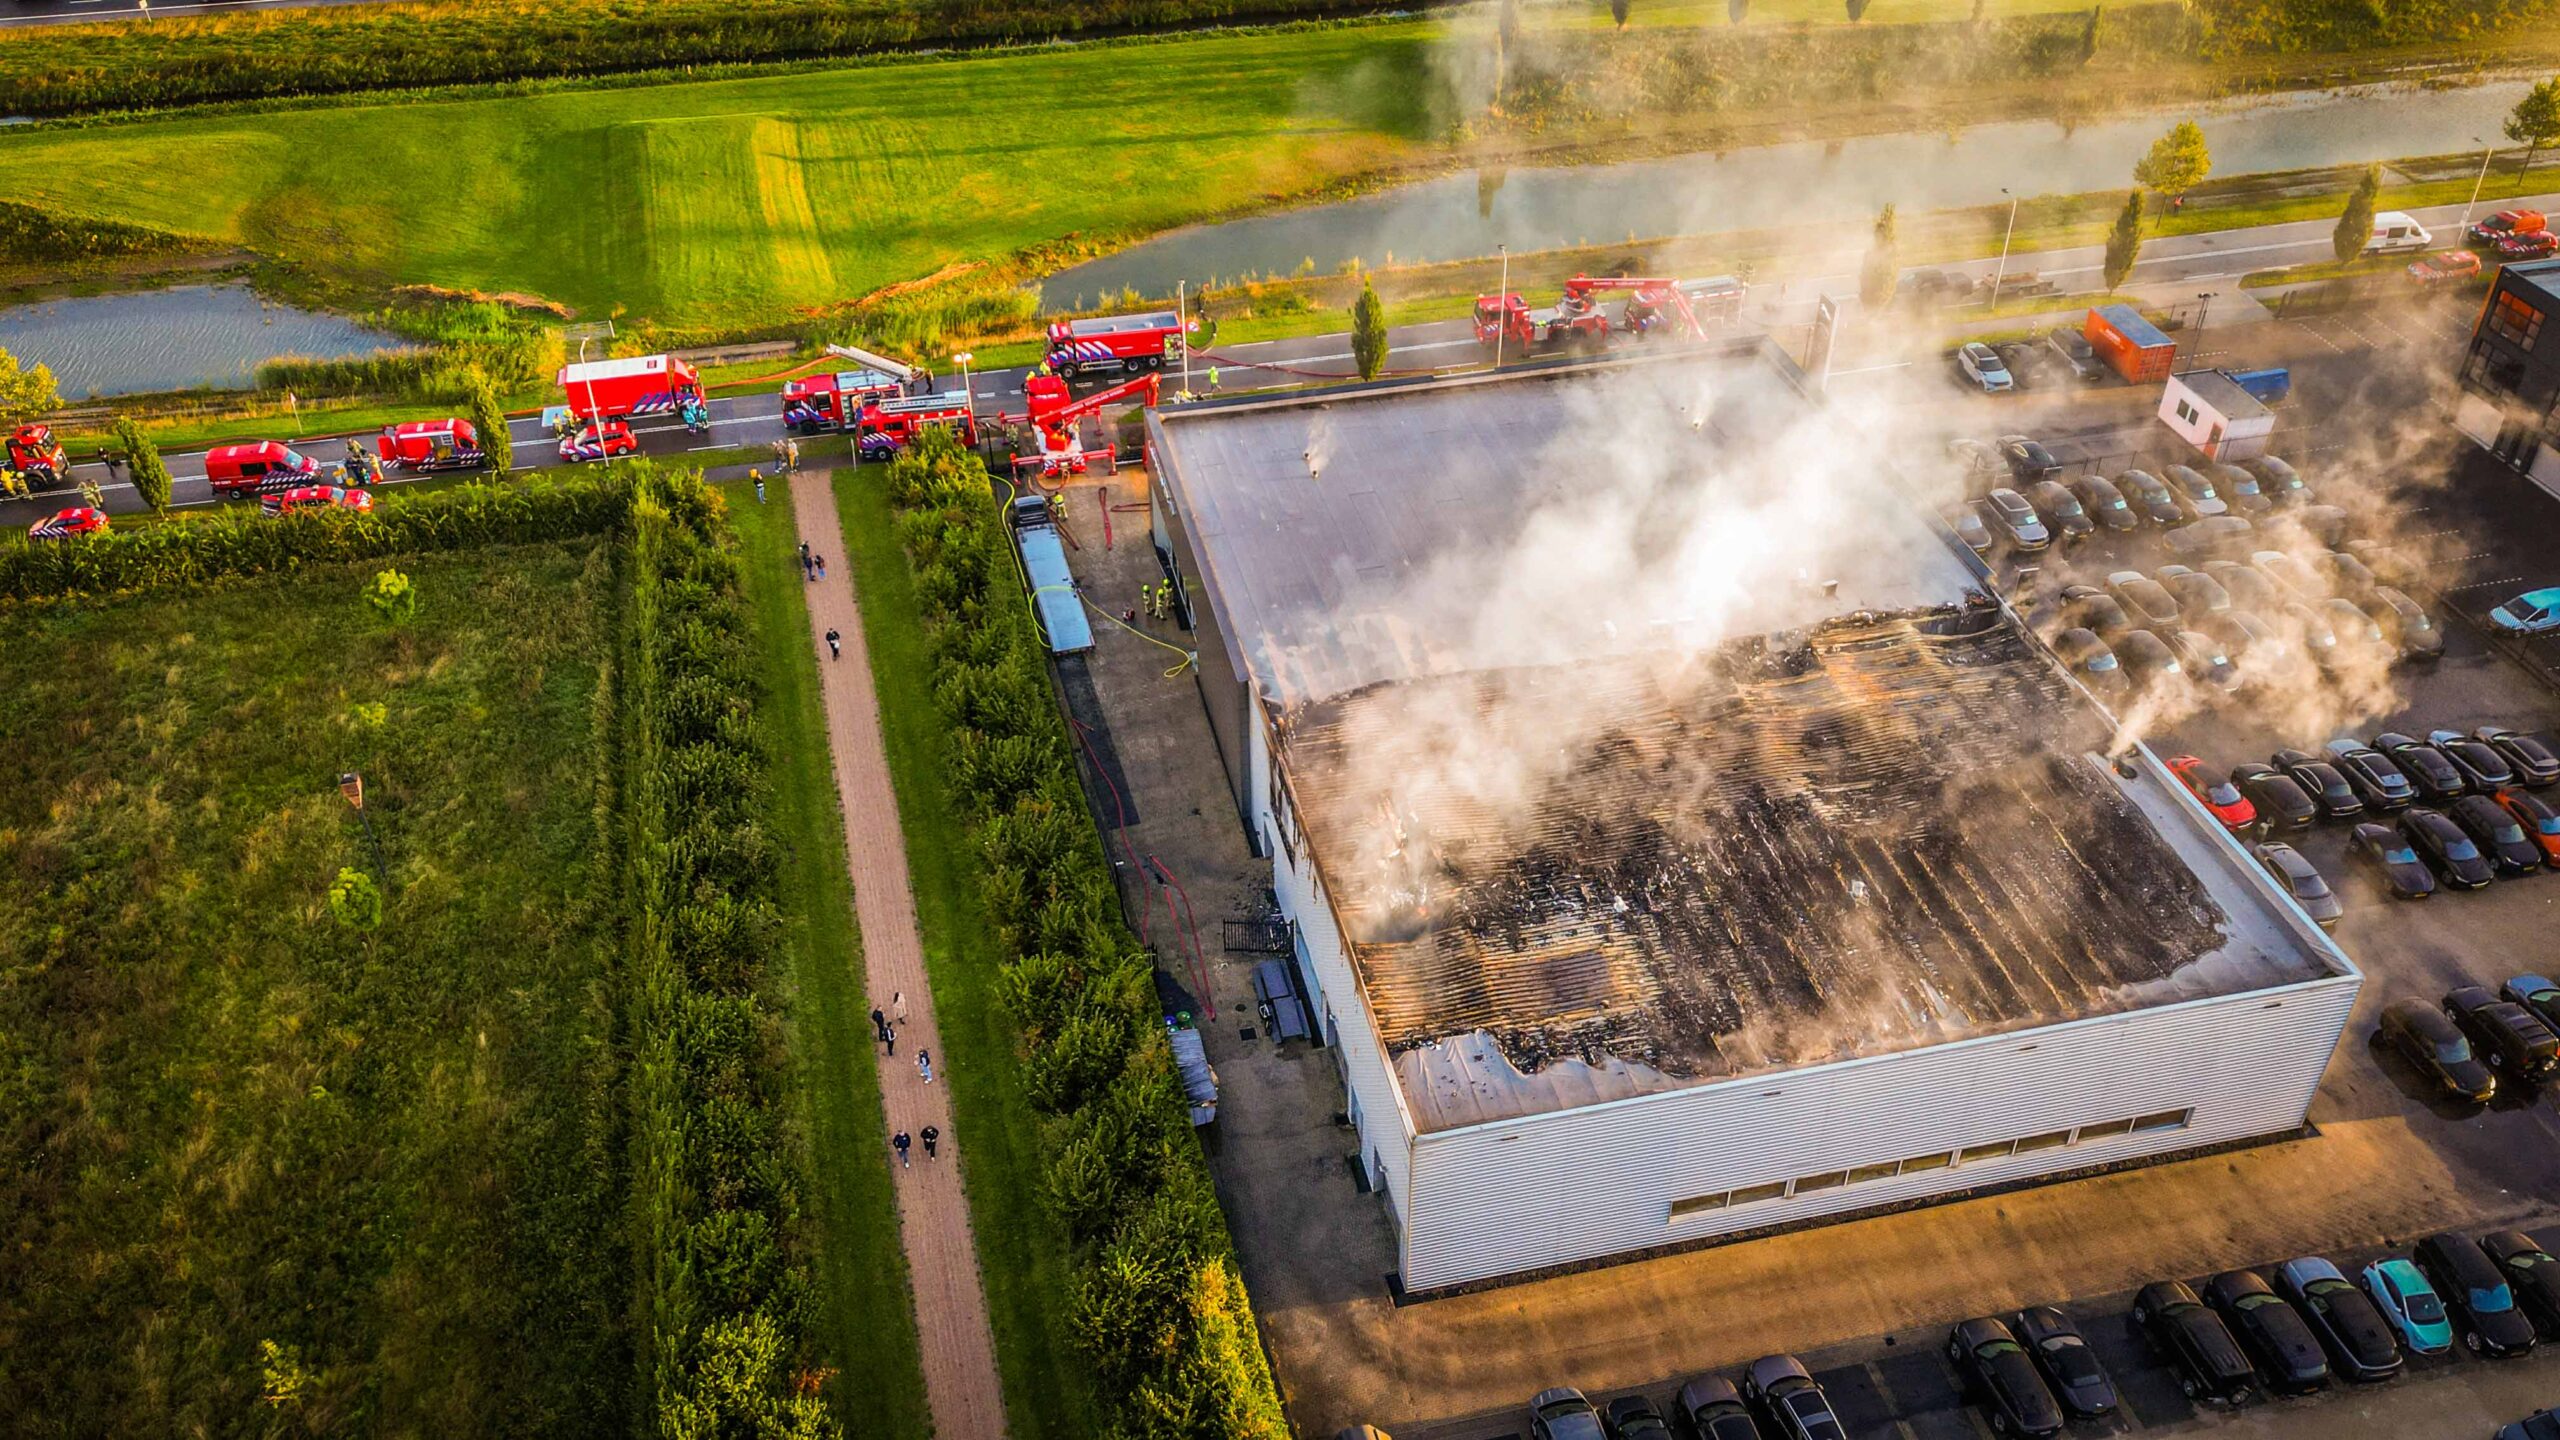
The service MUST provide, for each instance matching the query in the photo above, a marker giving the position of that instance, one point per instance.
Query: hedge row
(1159, 1310)
(33, 234)
(68, 69)
(723, 1286)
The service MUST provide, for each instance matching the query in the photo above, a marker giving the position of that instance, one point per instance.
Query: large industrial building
(1753, 866)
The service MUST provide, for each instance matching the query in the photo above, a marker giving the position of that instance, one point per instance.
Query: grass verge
(867, 1318)
(1021, 1253)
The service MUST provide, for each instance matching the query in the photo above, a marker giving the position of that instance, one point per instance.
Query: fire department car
(68, 524)
(314, 497)
(256, 469)
(830, 402)
(889, 426)
(599, 440)
(37, 456)
(431, 445)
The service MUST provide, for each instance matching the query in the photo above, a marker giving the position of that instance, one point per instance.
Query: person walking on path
(758, 476)
(901, 1142)
(930, 1136)
(880, 1027)
(924, 1065)
(898, 1008)
(835, 646)
(822, 567)
(791, 454)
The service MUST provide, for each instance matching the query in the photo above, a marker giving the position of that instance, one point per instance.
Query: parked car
(2540, 821)
(2241, 488)
(1980, 463)
(2532, 1274)
(2205, 661)
(1563, 1414)
(2028, 461)
(2536, 763)
(2291, 576)
(2405, 624)
(2025, 363)
(2538, 994)
(2456, 861)
(2483, 768)
(2091, 660)
(599, 440)
(1789, 1399)
(2195, 491)
(2360, 640)
(2281, 482)
(1709, 1408)
(2280, 802)
(2061, 510)
(2507, 1035)
(2510, 850)
(2409, 1304)
(2195, 1342)
(2288, 1355)
(2536, 246)
(2428, 1039)
(2094, 609)
(2249, 589)
(2213, 537)
(2150, 662)
(2322, 782)
(2143, 599)
(2346, 575)
(2536, 612)
(2358, 1339)
(2476, 1293)
(1633, 1417)
(2302, 880)
(2319, 637)
(2151, 497)
(2329, 525)
(2444, 267)
(2015, 520)
(2263, 656)
(2428, 768)
(1981, 366)
(1966, 520)
(2197, 593)
(2540, 1425)
(2393, 861)
(1998, 1371)
(2106, 504)
(2378, 782)
(2070, 1367)
(2074, 348)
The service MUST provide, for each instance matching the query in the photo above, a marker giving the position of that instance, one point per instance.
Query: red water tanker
(1131, 343)
(638, 385)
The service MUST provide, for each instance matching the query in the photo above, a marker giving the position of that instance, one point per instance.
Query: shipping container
(2134, 347)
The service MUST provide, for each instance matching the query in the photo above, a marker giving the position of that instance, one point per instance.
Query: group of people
(1155, 601)
(884, 1029)
(813, 566)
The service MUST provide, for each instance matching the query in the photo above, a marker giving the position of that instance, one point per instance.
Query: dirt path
(933, 1216)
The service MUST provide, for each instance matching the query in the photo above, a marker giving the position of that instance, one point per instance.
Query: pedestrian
(758, 477)
(822, 567)
(898, 1007)
(791, 454)
(900, 1140)
(924, 1065)
(834, 650)
(804, 554)
(1213, 377)
(879, 1023)
(930, 1136)
(808, 570)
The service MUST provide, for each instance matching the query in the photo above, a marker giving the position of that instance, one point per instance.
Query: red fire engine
(831, 402)
(1132, 343)
(431, 445)
(1577, 321)
(37, 457)
(1055, 415)
(639, 385)
(889, 426)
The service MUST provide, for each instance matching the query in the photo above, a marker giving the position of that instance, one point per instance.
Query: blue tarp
(2130, 324)
(1053, 590)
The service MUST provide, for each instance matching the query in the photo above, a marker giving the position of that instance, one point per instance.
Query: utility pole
(2001, 274)
(2476, 184)
(1502, 304)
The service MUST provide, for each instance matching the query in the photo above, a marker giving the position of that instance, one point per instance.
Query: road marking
(2481, 584)
(1871, 369)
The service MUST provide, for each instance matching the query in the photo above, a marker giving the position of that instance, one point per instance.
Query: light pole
(1182, 328)
(2477, 183)
(351, 785)
(968, 393)
(2203, 299)
(1502, 305)
(2001, 274)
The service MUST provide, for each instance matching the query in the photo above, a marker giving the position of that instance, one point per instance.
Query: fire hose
(1215, 358)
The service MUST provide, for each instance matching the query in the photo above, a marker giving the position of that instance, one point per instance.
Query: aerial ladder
(1578, 321)
(1055, 415)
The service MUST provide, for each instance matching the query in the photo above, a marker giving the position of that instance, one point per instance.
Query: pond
(214, 336)
(1830, 184)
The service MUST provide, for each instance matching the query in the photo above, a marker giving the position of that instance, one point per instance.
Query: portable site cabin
(2134, 347)
(2216, 414)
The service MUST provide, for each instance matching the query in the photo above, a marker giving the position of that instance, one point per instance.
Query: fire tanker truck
(638, 385)
(1132, 344)
(1578, 321)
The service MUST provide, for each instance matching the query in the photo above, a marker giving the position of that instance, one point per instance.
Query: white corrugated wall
(1576, 1185)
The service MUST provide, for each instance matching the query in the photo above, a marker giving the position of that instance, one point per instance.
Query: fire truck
(1578, 321)
(889, 426)
(36, 458)
(1055, 415)
(431, 445)
(830, 402)
(1135, 344)
(639, 385)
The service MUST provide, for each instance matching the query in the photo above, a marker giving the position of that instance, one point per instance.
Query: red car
(66, 524)
(2444, 266)
(2532, 246)
(2541, 822)
(285, 502)
(2215, 790)
(599, 440)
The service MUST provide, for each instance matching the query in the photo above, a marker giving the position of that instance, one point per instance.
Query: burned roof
(1889, 831)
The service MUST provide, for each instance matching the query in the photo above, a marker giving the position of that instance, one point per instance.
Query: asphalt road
(72, 12)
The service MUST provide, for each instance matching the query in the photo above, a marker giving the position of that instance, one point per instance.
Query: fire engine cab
(637, 385)
(889, 426)
(831, 402)
(431, 445)
(1131, 343)
(37, 456)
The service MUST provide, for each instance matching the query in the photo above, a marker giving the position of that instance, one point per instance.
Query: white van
(2394, 231)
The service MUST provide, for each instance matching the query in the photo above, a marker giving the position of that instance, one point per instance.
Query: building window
(2050, 1140)
(2107, 1131)
(2165, 1120)
(1866, 1173)
(2187, 412)
(1754, 1194)
(2512, 319)
(1975, 1154)
(1832, 1181)
(1919, 1163)
(1698, 1205)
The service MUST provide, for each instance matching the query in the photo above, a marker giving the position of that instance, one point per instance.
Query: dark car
(1562, 1414)
(2014, 520)
(2151, 497)
(1633, 1417)
(2281, 803)
(2532, 1273)
(2536, 764)
(2143, 599)
(1709, 1408)
(1997, 1370)
(2024, 363)
(2540, 1425)
(2359, 638)
(2476, 1291)
(2429, 769)
(2091, 608)
(2070, 1367)
(2106, 504)
(2288, 1354)
(2377, 782)
(2197, 593)
(2348, 576)
(2507, 1035)
(1789, 1399)
(2437, 1046)
(2241, 489)
(2248, 587)
(2281, 482)
(2077, 353)
(2215, 536)
(2090, 659)
(2149, 660)
(2452, 855)
(2536, 993)
(1966, 520)
(2210, 1364)
(2302, 880)
(2028, 461)
(2062, 511)
(2262, 655)
(2195, 491)
(1979, 462)
(2206, 662)
(2321, 781)
(2327, 524)
(2359, 1341)
(2483, 768)
(2497, 834)
(2405, 624)
(2392, 860)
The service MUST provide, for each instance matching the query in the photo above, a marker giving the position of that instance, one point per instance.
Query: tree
(489, 418)
(25, 391)
(2124, 243)
(2089, 36)
(1506, 33)
(2355, 224)
(1883, 269)
(2535, 121)
(1489, 180)
(1857, 11)
(1737, 11)
(2178, 162)
(1618, 12)
(1369, 332)
(355, 900)
(392, 597)
(142, 458)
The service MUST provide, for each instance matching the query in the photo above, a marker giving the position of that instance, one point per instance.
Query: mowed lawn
(741, 200)
(261, 1173)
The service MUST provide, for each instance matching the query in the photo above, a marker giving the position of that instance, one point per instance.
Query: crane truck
(1054, 415)
(1578, 320)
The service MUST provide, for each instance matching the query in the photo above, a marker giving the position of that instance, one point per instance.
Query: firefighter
(1058, 505)
(1164, 598)
(1213, 377)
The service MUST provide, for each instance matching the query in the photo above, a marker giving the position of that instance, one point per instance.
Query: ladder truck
(1054, 415)
(1577, 321)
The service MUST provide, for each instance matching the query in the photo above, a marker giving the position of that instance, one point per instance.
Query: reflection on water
(177, 339)
(1826, 184)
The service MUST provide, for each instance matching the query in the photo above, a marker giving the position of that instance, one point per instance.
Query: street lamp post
(351, 785)
(1182, 328)
(1502, 305)
(2476, 184)
(968, 391)
(2001, 274)
(2203, 299)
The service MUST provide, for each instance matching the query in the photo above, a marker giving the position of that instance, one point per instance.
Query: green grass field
(234, 1123)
